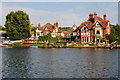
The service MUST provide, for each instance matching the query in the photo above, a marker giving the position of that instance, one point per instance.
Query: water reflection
(0, 63)
(59, 63)
(15, 63)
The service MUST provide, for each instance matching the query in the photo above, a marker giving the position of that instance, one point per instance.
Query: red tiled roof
(65, 32)
(40, 28)
(60, 31)
(104, 23)
(70, 31)
(49, 26)
(90, 24)
(67, 36)
(97, 18)
(86, 23)
(45, 32)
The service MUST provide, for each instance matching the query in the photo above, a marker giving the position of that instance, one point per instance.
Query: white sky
(60, 0)
(64, 22)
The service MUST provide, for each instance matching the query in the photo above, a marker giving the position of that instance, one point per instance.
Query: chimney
(56, 24)
(95, 14)
(39, 25)
(90, 15)
(104, 16)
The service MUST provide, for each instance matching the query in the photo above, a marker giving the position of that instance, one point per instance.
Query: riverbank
(43, 46)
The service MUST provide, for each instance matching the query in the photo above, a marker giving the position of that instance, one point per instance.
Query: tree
(32, 30)
(115, 33)
(2, 28)
(17, 25)
(49, 38)
(44, 38)
(103, 39)
(77, 40)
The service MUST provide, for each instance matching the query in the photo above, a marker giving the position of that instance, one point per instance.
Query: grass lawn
(118, 42)
(38, 44)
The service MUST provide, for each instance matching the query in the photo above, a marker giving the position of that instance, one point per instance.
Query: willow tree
(17, 25)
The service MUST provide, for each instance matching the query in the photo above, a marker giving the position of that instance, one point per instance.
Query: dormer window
(90, 23)
(97, 24)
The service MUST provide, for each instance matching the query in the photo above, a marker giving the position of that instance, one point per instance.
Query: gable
(84, 26)
(84, 29)
(88, 24)
(46, 28)
(97, 24)
(103, 23)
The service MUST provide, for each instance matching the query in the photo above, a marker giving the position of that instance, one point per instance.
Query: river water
(59, 63)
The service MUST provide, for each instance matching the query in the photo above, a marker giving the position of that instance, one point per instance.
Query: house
(93, 29)
(49, 28)
(68, 35)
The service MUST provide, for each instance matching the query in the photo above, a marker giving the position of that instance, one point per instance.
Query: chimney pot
(39, 25)
(56, 24)
(104, 16)
(95, 14)
(90, 15)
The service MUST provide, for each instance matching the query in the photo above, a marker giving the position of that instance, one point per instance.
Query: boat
(111, 47)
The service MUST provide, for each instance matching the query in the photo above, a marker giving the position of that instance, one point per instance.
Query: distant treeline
(65, 28)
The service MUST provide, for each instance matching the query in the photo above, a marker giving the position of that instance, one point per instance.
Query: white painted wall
(83, 31)
(38, 32)
(101, 33)
(53, 34)
(62, 34)
(56, 29)
(74, 33)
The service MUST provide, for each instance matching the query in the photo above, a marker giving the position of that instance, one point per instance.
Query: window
(87, 39)
(84, 28)
(82, 39)
(37, 34)
(97, 40)
(98, 32)
(97, 24)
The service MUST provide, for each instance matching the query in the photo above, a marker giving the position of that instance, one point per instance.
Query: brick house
(93, 29)
(49, 28)
(68, 35)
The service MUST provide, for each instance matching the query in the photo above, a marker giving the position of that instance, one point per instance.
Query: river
(59, 63)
